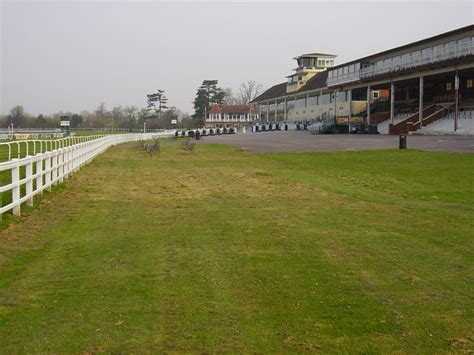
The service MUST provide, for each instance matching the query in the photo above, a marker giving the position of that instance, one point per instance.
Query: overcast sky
(71, 56)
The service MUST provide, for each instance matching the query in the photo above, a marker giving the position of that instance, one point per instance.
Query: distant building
(231, 115)
(414, 87)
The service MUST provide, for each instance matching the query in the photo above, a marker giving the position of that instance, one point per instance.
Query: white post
(368, 104)
(54, 165)
(392, 101)
(456, 101)
(61, 165)
(67, 160)
(39, 178)
(29, 183)
(16, 189)
(420, 107)
(349, 99)
(276, 110)
(47, 167)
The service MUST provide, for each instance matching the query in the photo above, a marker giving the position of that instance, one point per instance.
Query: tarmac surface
(303, 141)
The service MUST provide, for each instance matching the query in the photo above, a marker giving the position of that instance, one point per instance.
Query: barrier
(50, 162)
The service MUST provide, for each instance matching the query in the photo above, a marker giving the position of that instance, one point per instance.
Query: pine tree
(157, 102)
(208, 94)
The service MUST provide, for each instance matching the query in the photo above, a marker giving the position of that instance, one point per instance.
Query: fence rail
(39, 165)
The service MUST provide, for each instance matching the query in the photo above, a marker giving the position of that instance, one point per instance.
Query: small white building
(232, 115)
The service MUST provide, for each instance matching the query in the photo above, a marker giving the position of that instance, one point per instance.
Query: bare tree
(230, 98)
(101, 110)
(249, 91)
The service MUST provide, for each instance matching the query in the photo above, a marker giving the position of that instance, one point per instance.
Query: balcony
(344, 78)
(426, 56)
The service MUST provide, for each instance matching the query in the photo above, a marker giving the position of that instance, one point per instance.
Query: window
(450, 49)
(449, 86)
(463, 46)
(427, 54)
(415, 57)
(469, 83)
(345, 96)
(406, 58)
(290, 104)
(325, 99)
(312, 101)
(306, 62)
(397, 61)
(301, 102)
(438, 52)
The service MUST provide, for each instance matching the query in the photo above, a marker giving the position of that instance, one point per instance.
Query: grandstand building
(422, 86)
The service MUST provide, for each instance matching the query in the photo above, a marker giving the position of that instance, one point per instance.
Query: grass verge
(221, 250)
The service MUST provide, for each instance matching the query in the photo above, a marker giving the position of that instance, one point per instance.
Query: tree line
(157, 114)
(124, 117)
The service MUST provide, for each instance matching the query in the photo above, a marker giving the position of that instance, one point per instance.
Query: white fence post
(61, 165)
(16, 189)
(29, 183)
(54, 177)
(39, 178)
(47, 167)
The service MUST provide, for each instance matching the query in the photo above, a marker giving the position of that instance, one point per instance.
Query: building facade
(402, 89)
(231, 115)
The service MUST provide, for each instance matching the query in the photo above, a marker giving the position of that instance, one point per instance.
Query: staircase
(412, 123)
(446, 124)
(382, 127)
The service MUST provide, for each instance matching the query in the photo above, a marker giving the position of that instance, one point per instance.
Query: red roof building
(232, 115)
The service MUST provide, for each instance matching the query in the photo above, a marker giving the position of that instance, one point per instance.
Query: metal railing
(465, 113)
(406, 61)
(30, 167)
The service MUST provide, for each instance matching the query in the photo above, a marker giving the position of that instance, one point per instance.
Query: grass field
(225, 251)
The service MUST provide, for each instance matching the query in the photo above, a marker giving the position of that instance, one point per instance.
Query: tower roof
(316, 55)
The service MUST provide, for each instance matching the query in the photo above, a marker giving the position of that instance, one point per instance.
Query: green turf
(224, 251)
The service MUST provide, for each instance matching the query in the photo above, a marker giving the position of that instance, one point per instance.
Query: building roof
(316, 82)
(409, 45)
(215, 109)
(230, 109)
(316, 55)
(275, 91)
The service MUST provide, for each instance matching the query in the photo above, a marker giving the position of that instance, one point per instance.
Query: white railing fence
(39, 165)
